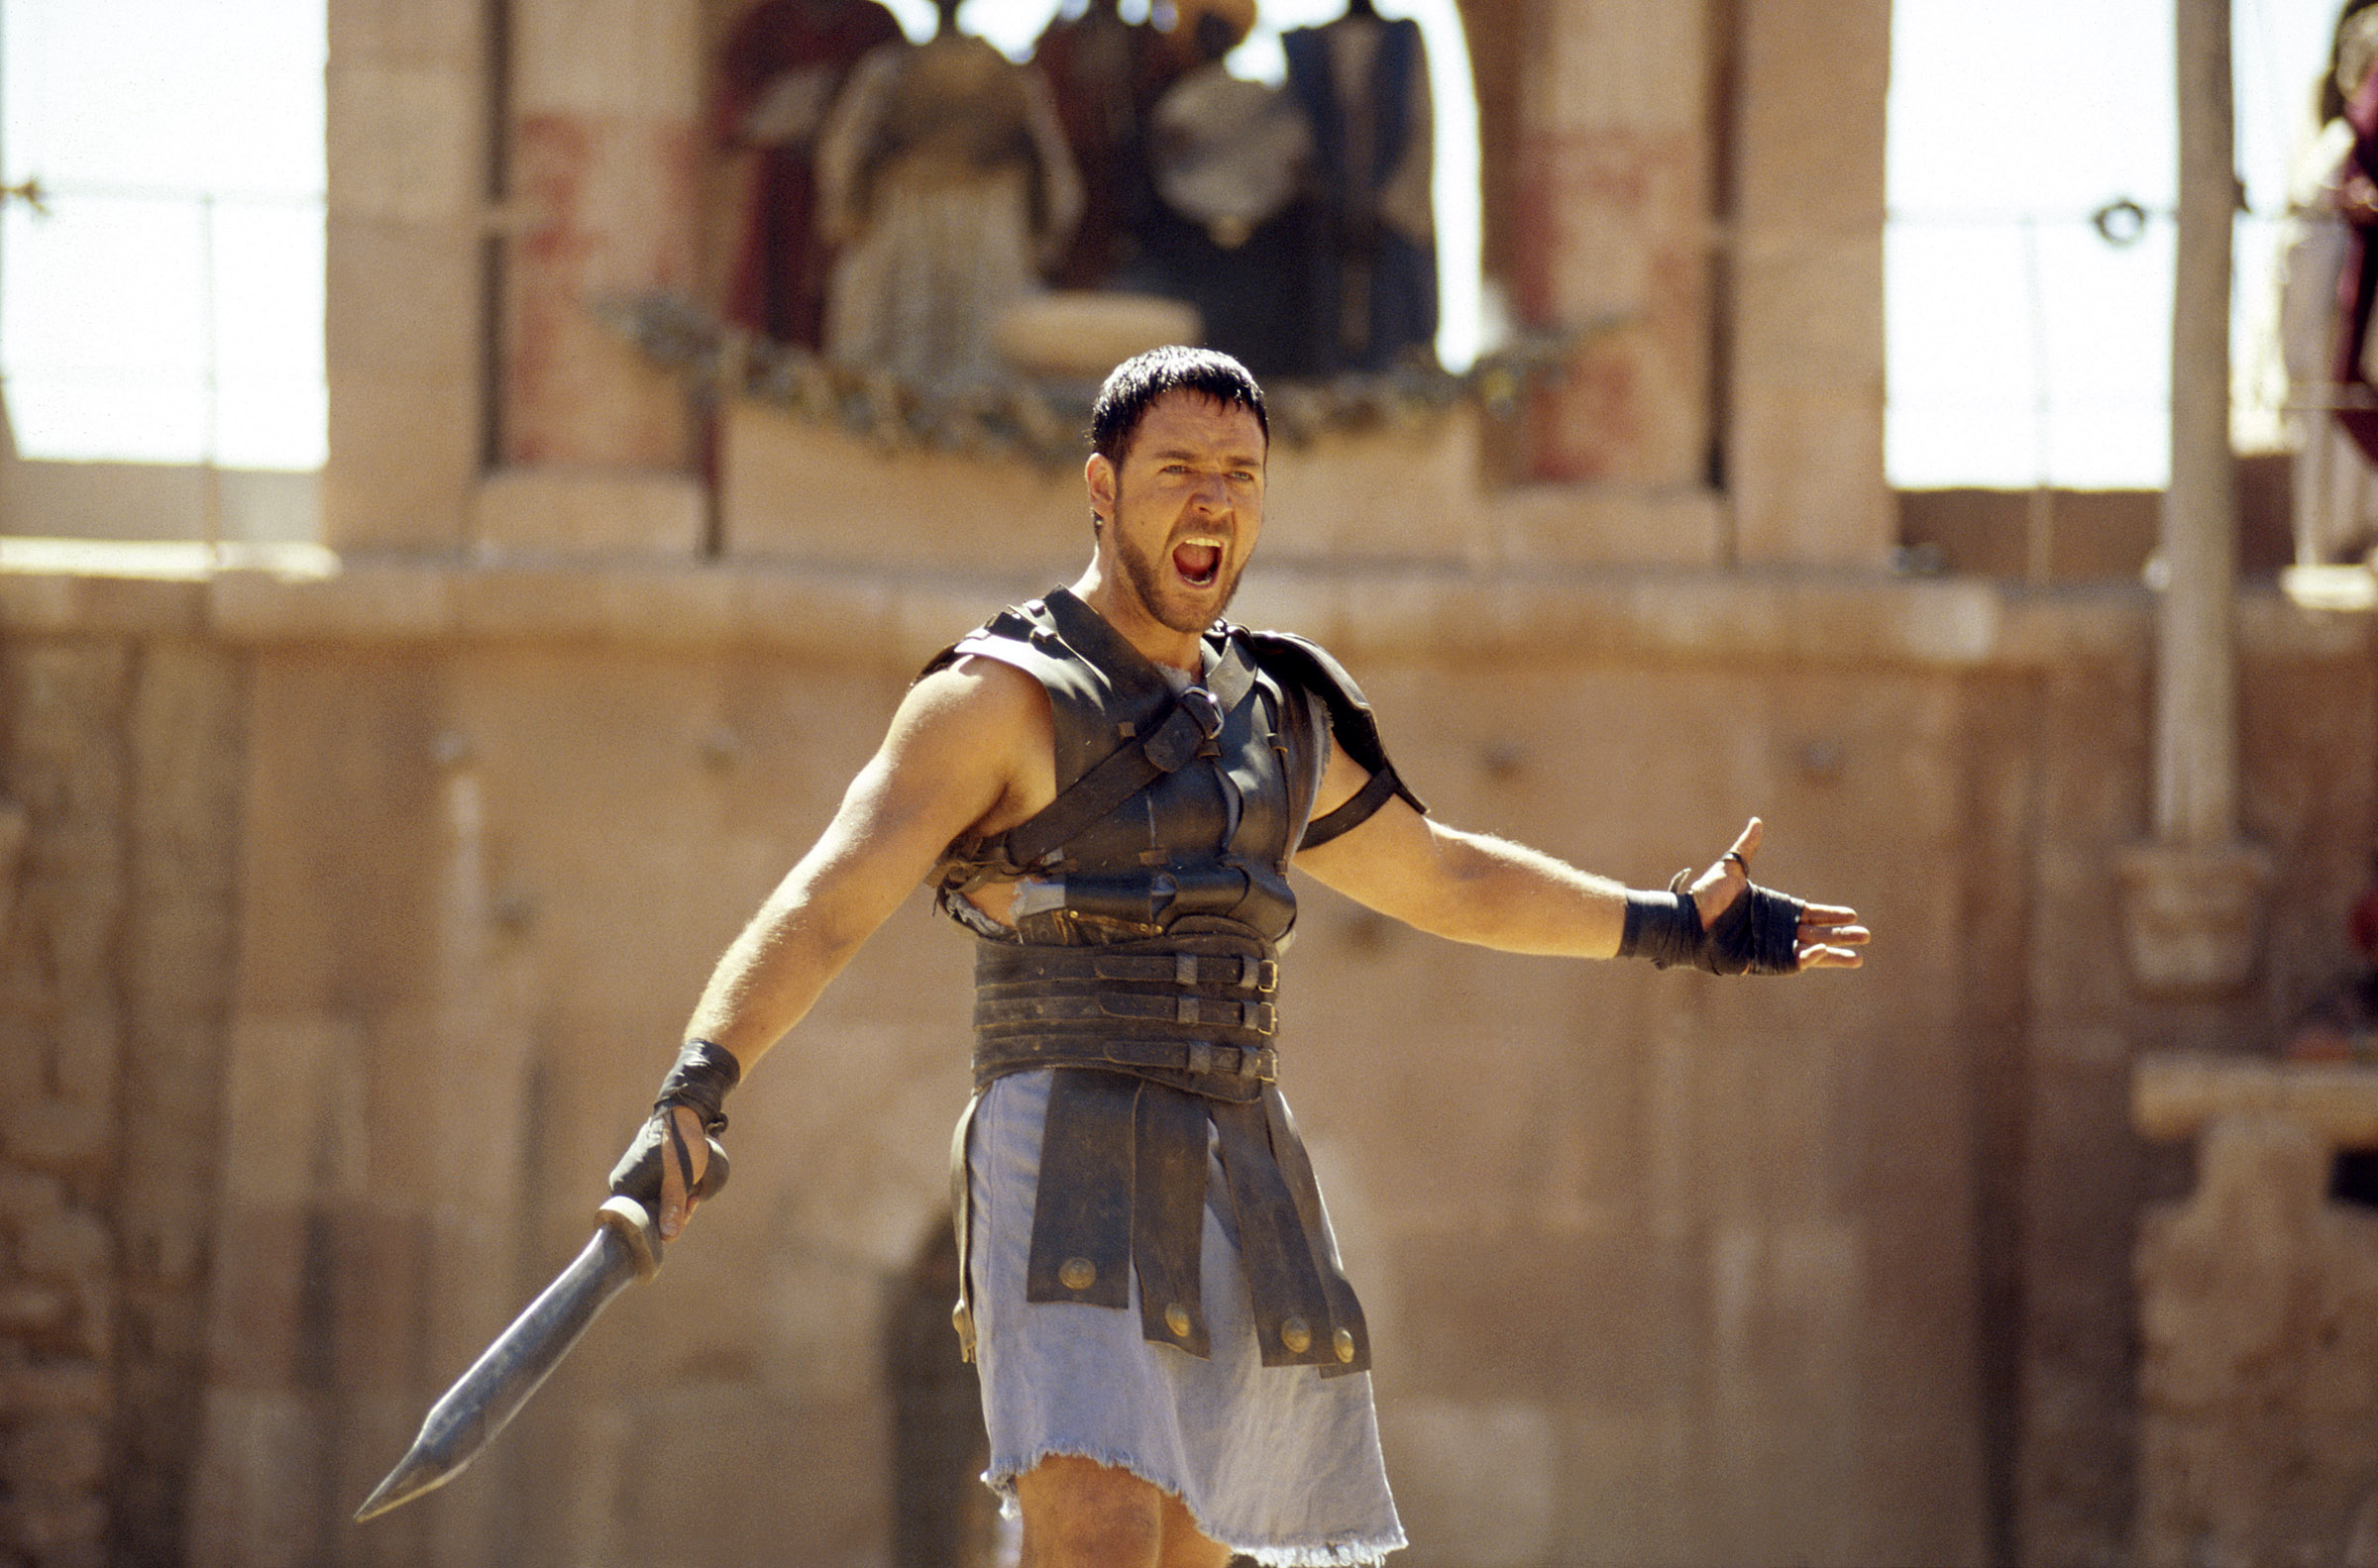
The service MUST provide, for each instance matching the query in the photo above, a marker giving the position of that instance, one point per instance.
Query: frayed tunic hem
(1277, 1463)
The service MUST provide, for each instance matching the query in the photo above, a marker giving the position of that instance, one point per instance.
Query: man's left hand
(1830, 934)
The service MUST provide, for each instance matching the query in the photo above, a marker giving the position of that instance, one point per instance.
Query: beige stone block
(403, 459)
(264, 1459)
(55, 1136)
(405, 298)
(1475, 1482)
(637, 58)
(611, 204)
(28, 1310)
(1808, 311)
(1084, 333)
(55, 1454)
(405, 143)
(1630, 409)
(564, 510)
(70, 1247)
(414, 32)
(1808, 471)
(792, 490)
(295, 1129)
(1597, 63)
(1606, 525)
(1406, 492)
(1809, 143)
(26, 1195)
(57, 1527)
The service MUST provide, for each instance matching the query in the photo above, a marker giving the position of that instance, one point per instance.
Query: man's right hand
(671, 1167)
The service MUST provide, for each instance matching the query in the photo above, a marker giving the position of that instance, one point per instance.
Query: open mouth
(1198, 564)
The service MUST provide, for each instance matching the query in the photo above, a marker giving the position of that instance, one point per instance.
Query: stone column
(2256, 1313)
(604, 188)
(2193, 896)
(1803, 450)
(1610, 223)
(406, 90)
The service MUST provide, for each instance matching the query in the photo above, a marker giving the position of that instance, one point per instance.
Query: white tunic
(1278, 1463)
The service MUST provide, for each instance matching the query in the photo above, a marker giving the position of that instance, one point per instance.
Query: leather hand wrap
(1759, 934)
(699, 1080)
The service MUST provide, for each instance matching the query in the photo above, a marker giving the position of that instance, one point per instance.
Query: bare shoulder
(974, 701)
(982, 727)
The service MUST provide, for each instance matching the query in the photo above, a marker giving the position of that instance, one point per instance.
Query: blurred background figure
(1229, 224)
(777, 75)
(2324, 303)
(946, 182)
(1105, 76)
(1371, 267)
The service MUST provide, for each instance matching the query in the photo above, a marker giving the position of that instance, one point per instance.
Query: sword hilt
(634, 1224)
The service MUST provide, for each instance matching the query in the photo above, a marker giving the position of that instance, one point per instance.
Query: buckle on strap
(1203, 706)
(1258, 975)
(1257, 1018)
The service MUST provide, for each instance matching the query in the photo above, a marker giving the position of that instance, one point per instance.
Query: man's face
(1184, 507)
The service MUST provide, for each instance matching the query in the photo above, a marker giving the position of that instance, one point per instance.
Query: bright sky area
(170, 308)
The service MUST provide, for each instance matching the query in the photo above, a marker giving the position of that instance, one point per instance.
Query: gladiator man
(1107, 788)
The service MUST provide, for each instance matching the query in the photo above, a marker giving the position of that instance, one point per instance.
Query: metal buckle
(1205, 708)
(1259, 1017)
(1259, 974)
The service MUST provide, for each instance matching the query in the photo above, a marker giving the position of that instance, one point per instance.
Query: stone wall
(2258, 1301)
(1662, 1270)
(120, 766)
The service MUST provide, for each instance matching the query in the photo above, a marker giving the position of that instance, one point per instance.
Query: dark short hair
(1135, 385)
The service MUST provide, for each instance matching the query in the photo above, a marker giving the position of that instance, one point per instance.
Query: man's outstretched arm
(1475, 888)
(957, 757)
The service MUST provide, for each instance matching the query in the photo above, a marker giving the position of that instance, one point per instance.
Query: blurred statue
(1227, 232)
(1106, 75)
(776, 73)
(2328, 271)
(1363, 84)
(944, 179)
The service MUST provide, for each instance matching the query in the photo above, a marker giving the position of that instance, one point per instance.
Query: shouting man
(1107, 788)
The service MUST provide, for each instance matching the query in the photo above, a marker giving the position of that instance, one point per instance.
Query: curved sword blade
(624, 1249)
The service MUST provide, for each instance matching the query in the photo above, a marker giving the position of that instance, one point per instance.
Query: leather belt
(1198, 1058)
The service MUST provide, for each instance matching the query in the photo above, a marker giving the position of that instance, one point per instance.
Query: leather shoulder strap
(1028, 640)
(1300, 664)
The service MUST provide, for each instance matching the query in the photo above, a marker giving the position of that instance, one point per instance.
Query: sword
(626, 1248)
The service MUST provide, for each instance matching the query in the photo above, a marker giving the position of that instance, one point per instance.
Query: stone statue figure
(776, 73)
(1105, 76)
(1226, 235)
(1371, 266)
(944, 179)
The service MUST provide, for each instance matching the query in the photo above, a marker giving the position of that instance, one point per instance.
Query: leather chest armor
(1142, 963)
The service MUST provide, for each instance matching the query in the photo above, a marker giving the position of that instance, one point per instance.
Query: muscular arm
(958, 755)
(1467, 886)
(1474, 887)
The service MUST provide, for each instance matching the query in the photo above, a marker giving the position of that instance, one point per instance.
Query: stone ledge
(275, 594)
(2176, 1095)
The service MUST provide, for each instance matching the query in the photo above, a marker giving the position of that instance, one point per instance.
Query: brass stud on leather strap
(1077, 1274)
(1176, 1318)
(1343, 1343)
(1296, 1336)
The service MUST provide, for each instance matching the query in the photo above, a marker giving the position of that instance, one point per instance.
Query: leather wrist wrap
(1759, 934)
(699, 1080)
(1665, 927)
